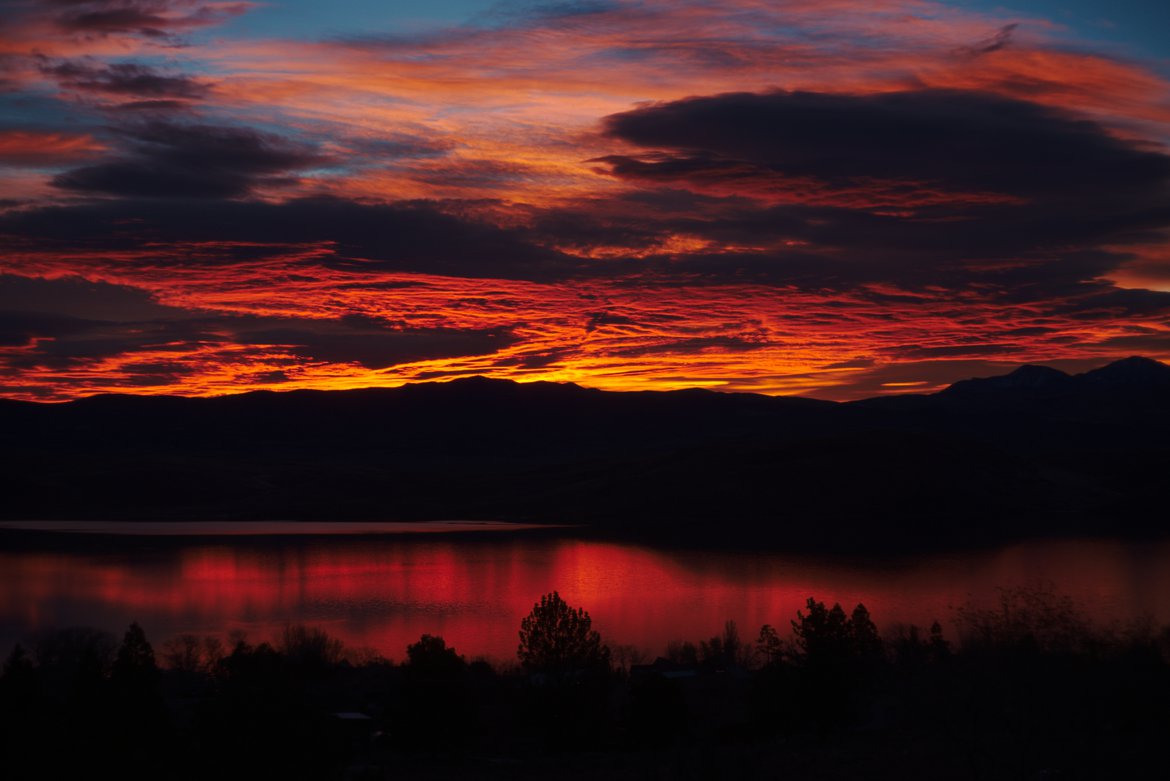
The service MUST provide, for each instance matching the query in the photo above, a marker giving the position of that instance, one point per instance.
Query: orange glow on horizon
(612, 337)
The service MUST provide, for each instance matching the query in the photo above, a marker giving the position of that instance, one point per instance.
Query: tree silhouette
(559, 640)
(139, 729)
(828, 636)
(722, 650)
(867, 642)
(682, 652)
(940, 649)
(432, 657)
(191, 654)
(837, 655)
(769, 645)
(823, 636)
(1029, 619)
(134, 665)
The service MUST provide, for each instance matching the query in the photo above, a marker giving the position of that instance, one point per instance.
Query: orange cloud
(30, 148)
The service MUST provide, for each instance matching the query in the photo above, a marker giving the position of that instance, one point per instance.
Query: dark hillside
(1033, 452)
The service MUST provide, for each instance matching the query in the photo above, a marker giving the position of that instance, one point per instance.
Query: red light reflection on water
(384, 594)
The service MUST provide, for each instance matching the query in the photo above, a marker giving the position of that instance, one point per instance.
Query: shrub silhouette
(559, 640)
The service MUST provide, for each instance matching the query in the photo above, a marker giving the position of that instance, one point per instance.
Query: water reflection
(386, 592)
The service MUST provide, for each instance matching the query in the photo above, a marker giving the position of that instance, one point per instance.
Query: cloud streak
(168, 160)
(125, 78)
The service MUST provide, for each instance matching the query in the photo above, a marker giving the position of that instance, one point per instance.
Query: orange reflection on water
(385, 593)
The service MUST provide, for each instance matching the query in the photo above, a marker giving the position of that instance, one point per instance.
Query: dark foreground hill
(1033, 452)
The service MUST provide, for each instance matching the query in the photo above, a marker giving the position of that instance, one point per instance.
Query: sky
(837, 199)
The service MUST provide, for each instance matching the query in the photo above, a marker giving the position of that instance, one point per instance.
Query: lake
(472, 583)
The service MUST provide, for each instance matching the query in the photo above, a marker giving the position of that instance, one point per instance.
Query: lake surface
(383, 592)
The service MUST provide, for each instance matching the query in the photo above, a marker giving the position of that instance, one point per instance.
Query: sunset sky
(838, 198)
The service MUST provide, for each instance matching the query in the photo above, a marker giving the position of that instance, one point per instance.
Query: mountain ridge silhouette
(1035, 451)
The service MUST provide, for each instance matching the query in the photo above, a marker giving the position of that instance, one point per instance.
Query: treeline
(1028, 689)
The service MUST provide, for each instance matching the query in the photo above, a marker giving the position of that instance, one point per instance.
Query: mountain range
(1033, 452)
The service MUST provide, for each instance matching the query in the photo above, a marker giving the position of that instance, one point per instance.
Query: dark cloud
(1002, 39)
(581, 228)
(125, 78)
(270, 377)
(959, 350)
(68, 349)
(1076, 197)
(19, 329)
(376, 348)
(364, 237)
(1157, 343)
(74, 297)
(148, 18)
(837, 247)
(599, 319)
(169, 160)
(155, 106)
(527, 360)
(853, 363)
(959, 141)
(60, 342)
(931, 187)
(128, 19)
(699, 344)
(1108, 303)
